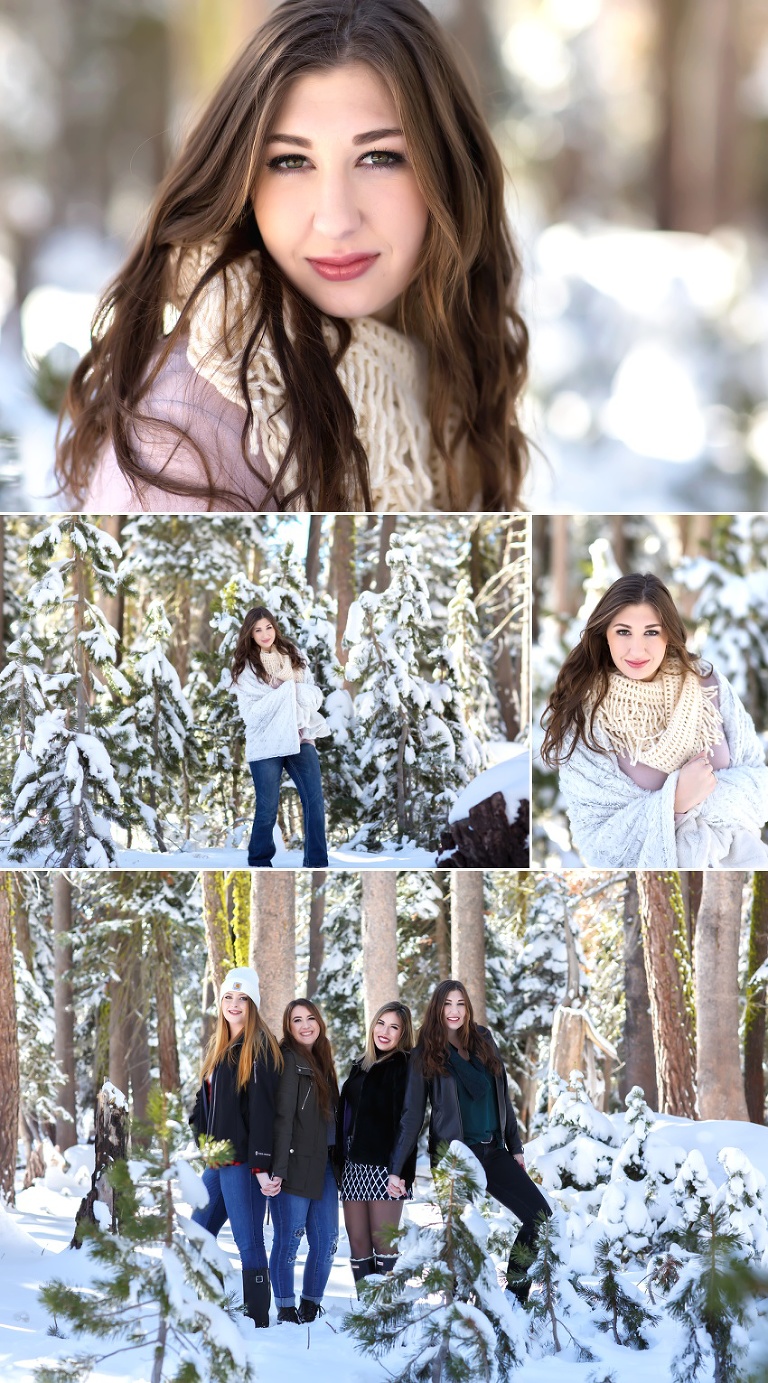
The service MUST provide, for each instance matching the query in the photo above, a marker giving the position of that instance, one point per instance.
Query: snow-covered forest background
(634, 134)
(716, 567)
(123, 742)
(630, 1009)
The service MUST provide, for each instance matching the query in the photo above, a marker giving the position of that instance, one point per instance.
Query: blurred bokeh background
(636, 137)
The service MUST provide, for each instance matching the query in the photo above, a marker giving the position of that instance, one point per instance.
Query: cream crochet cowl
(279, 666)
(662, 723)
(383, 373)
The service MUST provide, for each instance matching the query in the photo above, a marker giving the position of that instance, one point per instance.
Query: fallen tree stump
(486, 839)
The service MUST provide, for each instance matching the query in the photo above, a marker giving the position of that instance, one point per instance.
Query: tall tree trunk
(668, 970)
(273, 941)
(138, 1027)
(379, 939)
(442, 938)
(9, 1046)
(312, 563)
(118, 1023)
(521, 528)
(114, 605)
(64, 1017)
(220, 956)
(316, 917)
(468, 936)
(383, 573)
(167, 1048)
(343, 576)
(639, 1061)
(718, 927)
(754, 1014)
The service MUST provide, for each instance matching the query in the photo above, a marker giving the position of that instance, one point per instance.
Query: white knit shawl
(616, 824)
(273, 716)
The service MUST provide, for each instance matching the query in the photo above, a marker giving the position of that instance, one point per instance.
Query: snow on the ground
(512, 776)
(389, 857)
(34, 1239)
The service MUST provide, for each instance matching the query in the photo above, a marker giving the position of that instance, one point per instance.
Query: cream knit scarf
(661, 723)
(278, 665)
(383, 373)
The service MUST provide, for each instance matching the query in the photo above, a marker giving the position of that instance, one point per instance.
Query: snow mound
(512, 777)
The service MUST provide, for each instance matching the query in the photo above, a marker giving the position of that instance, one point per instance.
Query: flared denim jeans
(304, 769)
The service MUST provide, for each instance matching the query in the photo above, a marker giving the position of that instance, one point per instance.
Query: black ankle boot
(361, 1268)
(287, 1314)
(385, 1263)
(308, 1311)
(257, 1296)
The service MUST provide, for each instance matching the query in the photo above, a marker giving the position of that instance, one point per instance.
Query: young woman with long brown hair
(236, 1104)
(304, 1163)
(279, 704)
(456, 1065)
(660, 765)
(370, 1106)
(322, 311)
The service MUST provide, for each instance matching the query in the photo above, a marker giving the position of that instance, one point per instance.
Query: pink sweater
(654, 778)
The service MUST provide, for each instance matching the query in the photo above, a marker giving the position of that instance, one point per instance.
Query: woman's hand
(695, 782)
(270, 1186)
(520, 1159)
(396, 1187)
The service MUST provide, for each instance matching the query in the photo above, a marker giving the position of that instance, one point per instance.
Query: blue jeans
(234, 1194)
(292, 1218)
(304, 769)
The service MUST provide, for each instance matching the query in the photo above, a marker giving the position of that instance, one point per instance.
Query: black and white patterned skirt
(361, 1183)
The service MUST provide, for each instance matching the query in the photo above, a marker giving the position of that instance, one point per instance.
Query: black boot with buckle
(257, 1296)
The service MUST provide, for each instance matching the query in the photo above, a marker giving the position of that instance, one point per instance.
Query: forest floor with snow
(33, 1248)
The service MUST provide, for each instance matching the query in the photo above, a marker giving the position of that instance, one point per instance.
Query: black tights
(364, 1221)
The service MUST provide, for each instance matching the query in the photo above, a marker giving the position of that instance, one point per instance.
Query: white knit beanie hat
(241, 980)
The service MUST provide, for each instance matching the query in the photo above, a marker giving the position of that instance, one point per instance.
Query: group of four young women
(297, 1140)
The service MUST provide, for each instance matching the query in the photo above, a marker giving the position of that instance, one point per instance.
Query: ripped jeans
(292, 1218)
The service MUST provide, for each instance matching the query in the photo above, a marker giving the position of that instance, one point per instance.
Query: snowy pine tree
(712, 1300)
(442, 1306)
(555, 1306)
(617, 1304)
(160, 1278)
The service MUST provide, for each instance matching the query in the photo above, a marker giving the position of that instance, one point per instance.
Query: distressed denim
(304, 769)
(292, 1218)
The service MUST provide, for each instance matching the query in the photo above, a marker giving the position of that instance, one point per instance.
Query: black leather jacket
(245, 1118)
(445, 1114)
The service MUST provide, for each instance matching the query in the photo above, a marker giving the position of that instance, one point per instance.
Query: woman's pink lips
(343, 268)
(643, 664)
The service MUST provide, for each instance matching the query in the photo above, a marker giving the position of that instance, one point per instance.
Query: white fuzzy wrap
(273, 716)
(616, 824)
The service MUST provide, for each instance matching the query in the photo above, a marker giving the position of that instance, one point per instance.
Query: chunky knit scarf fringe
(279, 666)
(662, 723)
(383, 373)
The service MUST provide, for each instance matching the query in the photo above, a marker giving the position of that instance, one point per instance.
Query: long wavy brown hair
(462, 303)
(404, 1042)
(258, 1043)
(582, 681)
(319, 1056)
(432, 1042)
(247, 651)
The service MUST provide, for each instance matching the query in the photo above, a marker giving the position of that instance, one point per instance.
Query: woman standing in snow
(457, 1066)
(236, 1104)
(660, 765)
(279, 704)
(303, 1163)
(370, 1106)
(322, 310)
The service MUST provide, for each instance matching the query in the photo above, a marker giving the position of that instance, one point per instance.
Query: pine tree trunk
(167, 1049)
(114, 605)
(718, 927)
(118, 1030)
(754, 1013)
(63, 1000)
(639, 1061)
(273, 941)
(667, 966)
(379, 939)
(217, 932)
(316, 916)
(343, 575)
(138, 1028)
(383, 573)
(312, 563)
(442, 939)
(110, 1146)
(521, 529)
(468, 936)
(9, 1046)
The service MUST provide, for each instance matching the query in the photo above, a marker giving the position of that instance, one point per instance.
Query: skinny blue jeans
(234, 1194)
(304, 769)
(292, 1218)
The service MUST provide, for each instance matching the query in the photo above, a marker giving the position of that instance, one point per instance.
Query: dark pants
(304, 769)
(512, 1187)
(235, 1195)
